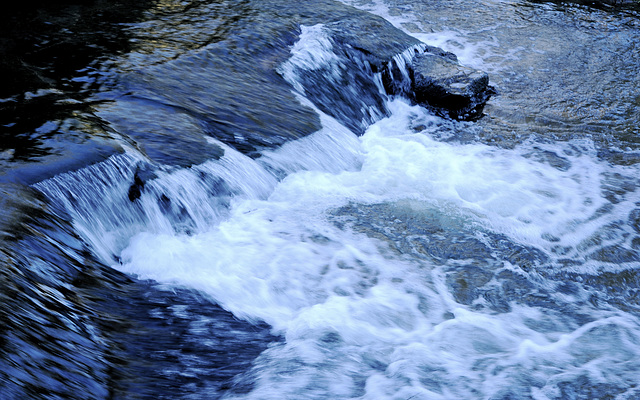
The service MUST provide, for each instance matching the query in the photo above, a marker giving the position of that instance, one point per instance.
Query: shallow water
(563, 71)
(424, 259)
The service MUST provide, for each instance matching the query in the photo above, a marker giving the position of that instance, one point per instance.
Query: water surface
(248, 237)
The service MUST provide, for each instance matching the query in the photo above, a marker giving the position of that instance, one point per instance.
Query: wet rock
(587, 387)
(166, 135)
(514, 286)
(397, 74)
(343, 86)
(219, 101)
(425, 74)
(465, 283)
(496, 300)
(454, 90)
(550, 158)
(449, 246)
(371, 38)
(619, 288)
(616, 186)
(364, 45)
(525, 257)
(69, 156)
(140, 178)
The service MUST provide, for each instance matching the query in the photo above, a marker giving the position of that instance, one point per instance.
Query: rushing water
(254, 237)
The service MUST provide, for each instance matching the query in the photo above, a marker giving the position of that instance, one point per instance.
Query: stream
(211, 200)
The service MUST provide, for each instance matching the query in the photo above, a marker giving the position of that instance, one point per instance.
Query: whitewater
(407, 263)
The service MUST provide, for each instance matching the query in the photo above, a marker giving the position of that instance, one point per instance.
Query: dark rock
(216, 98)
(514, 285)
(496, 301)
(454, 90)
(550, 158)
(615, 254)
(374, 39)
(166, 135)
(425, 74)
(140, 178)
(68, 157)
(397, 74)
(365, 45)
(135, 190)
(616, 186)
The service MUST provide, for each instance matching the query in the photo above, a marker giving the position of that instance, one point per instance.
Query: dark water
(215, 200)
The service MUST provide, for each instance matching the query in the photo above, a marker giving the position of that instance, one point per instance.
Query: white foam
(361, 320)
(176, 199)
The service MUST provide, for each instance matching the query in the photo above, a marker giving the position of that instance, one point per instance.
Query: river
(217, 204)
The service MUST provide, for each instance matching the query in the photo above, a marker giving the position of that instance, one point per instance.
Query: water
(562, 71)
(374, 251)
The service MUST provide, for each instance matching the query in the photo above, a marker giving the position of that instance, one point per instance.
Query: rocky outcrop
(452, 89)
(142, 175)
(433, 78)
(371, 59)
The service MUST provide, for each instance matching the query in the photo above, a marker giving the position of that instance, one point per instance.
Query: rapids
(281, 254)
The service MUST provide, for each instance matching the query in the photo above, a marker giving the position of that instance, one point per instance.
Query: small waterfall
(394, 253)
(112, 201)
(341, 82)
(396, 77)
(96, 199)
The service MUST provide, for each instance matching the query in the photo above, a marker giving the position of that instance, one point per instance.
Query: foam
(361, 320)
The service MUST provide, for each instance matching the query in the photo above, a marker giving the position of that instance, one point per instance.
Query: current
(398, 255)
